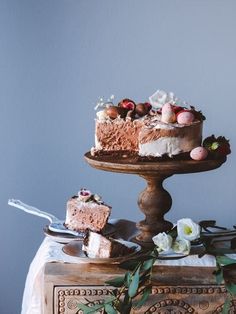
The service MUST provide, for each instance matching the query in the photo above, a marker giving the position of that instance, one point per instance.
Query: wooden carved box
(176, 289)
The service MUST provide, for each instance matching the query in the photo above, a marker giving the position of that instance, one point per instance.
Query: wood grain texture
(168, 168)
(175, 289)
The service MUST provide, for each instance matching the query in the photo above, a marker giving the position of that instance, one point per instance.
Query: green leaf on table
(148, 264)
(109, 309)
(144, 297)
(109, 299)
(127, 279)
(134, 284)
(89, 309)
(226, 306)
(224, 260)
(231, 288)
(116, 282)
(219, 276)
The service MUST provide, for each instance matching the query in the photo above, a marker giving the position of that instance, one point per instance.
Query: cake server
(56, 225)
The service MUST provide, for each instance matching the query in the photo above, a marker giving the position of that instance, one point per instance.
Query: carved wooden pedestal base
(154, 202)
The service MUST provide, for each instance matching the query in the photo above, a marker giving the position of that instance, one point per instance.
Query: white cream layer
(167, 145)
(94, 248)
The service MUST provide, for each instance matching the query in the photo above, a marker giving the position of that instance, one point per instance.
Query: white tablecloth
(51, 251)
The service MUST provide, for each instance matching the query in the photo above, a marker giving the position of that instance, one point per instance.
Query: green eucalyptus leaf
(231, 288)
(134, 284)
(224, 260)
(116, 282)
(84, 307)
(110, 309)
(226, 306)
(148, 264)
(110, 299)
(144, 297)
(89, 309)
(219, 276)
(128, 279)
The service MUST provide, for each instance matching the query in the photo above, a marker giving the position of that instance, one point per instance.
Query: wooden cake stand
(154, 201)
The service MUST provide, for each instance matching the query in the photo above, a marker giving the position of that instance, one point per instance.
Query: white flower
(84, 195)
(163, 241)
(160, 97)
(181, 246)
(187, 229)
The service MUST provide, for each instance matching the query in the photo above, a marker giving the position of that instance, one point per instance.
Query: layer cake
(162, 127)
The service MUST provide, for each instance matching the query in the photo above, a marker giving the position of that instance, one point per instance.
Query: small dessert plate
(60, 237)
(74, 248)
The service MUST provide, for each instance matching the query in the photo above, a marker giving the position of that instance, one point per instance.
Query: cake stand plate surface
(154, 201)
(169, 167)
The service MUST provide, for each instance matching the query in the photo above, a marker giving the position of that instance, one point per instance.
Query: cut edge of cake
(164, 126)
(96, 245)
(86, 211)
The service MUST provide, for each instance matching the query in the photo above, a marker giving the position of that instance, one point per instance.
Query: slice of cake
(163, 127)
(86, 211)
(97, 246)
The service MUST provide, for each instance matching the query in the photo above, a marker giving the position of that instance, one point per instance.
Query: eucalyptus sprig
(224, 266)
(134, 287)
(135, 283)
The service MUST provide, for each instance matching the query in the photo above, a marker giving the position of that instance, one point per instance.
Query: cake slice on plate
(98, 246)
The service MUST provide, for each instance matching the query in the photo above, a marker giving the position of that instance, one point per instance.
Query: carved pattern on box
(170, 306)
(231, 311)
(164, 299)
(68, 298)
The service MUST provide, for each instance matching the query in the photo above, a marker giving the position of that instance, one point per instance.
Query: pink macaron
(199, 153)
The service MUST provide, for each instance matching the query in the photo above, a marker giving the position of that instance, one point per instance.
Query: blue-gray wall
(56, 58)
